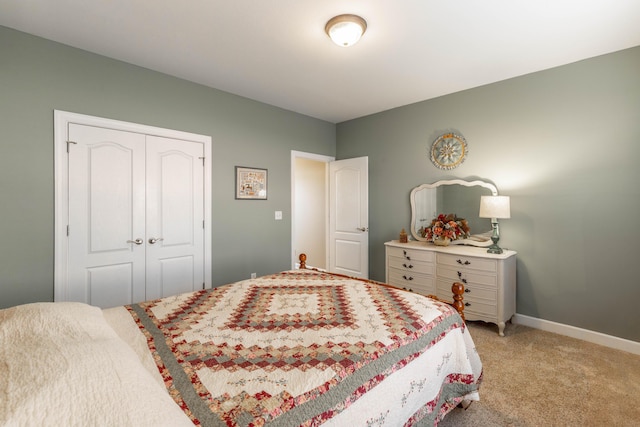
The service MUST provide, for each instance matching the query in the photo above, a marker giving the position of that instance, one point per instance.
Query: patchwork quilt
(306, 348)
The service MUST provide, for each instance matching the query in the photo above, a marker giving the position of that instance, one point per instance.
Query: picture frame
(251, 183)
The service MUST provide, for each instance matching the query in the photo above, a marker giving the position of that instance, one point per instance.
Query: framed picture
(251, 183)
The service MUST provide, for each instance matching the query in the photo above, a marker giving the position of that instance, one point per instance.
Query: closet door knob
(153, 240)
(137, 241)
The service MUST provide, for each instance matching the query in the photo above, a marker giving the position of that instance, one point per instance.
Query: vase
(442, 242)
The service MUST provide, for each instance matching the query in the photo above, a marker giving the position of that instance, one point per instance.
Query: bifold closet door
(136, 216)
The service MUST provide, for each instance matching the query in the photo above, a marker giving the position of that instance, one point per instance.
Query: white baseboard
(582, 334)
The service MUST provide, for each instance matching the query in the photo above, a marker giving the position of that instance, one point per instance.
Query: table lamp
(495, 207)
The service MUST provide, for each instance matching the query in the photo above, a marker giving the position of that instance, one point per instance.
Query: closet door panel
(110, 285)
(106, 216)
(175, 216)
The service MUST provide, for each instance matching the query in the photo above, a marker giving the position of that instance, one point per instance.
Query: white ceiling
(276, 51)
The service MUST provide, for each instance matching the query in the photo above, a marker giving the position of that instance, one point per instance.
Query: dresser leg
(501, 326)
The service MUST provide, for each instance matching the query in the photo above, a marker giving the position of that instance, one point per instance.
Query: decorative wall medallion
(448, 151)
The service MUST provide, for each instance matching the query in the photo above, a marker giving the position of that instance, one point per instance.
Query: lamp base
(494, 249)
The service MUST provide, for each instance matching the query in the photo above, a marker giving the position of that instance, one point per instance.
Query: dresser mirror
(452, 196)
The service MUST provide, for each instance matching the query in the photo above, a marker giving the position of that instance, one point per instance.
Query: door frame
(61, 187)
(320, 158)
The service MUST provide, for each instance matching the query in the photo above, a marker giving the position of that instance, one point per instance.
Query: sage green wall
(565, 145)
(38, 76)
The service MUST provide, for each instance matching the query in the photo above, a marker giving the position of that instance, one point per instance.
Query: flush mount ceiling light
(345, 30)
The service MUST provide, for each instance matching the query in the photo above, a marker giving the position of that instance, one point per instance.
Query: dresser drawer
(472, 292)
(417, 282)
(471, 277)
(478, 304)
(480, 309)
(413, 266)
(459, 261)
(411, 255)
(420, 289)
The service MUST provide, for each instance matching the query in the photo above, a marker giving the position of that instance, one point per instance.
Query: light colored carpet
(537, 378)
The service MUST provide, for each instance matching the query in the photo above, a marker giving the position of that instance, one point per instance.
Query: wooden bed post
(458, 291)
(303, 261)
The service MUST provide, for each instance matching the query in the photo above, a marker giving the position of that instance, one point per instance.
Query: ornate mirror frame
(477, 183)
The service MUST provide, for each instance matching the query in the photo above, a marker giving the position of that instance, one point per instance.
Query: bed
(297, 348)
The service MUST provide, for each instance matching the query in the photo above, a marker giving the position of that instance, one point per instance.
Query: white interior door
(106, 216)
(349, 217)
(175, 217)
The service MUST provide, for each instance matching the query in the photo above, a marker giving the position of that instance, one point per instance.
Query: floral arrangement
(446, 227)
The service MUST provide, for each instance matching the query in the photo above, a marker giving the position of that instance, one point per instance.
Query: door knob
(137, 241)
(362, 229)
(153, 240)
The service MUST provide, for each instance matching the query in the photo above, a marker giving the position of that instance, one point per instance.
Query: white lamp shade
(345, 30)
(495, 207)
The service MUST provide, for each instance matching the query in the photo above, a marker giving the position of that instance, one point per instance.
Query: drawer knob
(467, 290)
(407, 266)
(407, 278)
(459, 261)
(460, 277)
(467, 304)
(405, 255)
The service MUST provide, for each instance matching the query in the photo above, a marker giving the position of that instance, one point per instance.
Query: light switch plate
(278, 215)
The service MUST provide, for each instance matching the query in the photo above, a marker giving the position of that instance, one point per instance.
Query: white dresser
(489, 279)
